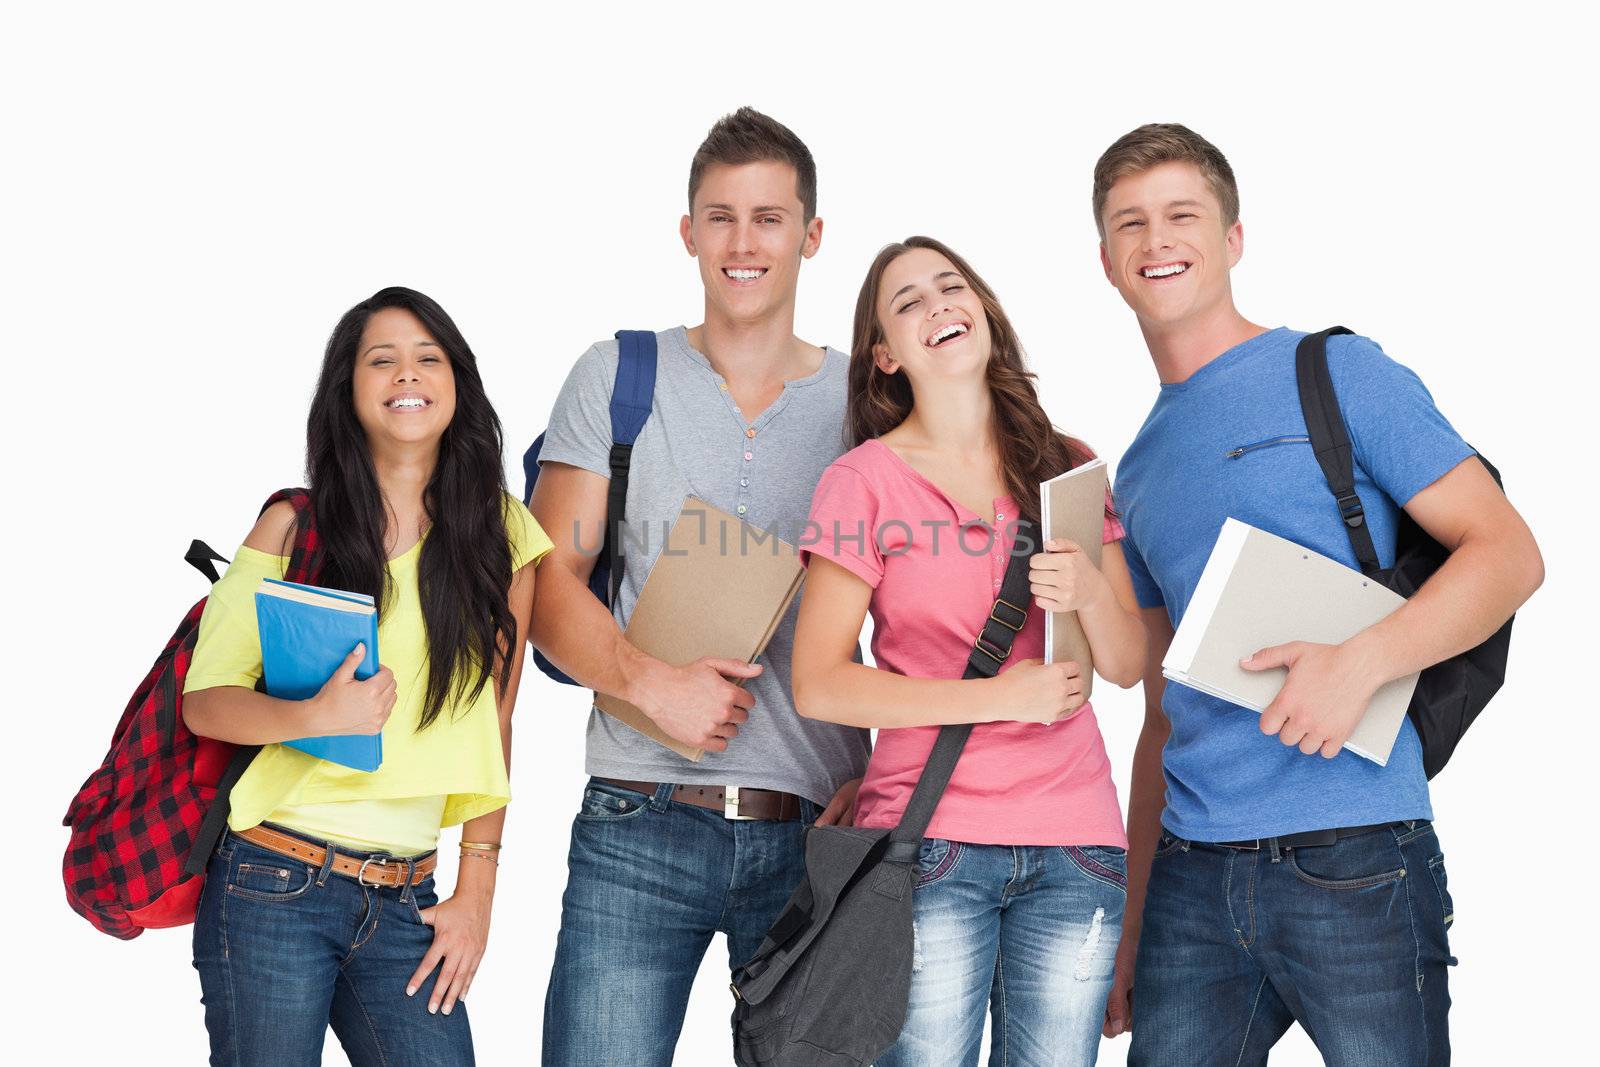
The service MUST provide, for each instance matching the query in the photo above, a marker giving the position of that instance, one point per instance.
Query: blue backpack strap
(632, 395)
(634, 390)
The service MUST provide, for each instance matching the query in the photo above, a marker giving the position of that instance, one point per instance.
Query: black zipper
(1290, 439)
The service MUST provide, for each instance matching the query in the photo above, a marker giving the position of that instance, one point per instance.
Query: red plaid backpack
(144, 824)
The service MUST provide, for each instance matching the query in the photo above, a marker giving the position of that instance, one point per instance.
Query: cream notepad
(1072, 506)
(1258, 590)
(719, 587)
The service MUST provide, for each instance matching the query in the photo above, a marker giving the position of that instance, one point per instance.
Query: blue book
(306, 632)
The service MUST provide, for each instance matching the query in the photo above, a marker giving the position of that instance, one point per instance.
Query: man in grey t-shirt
(665, 852)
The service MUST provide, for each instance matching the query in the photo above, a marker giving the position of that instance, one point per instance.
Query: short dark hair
(1156, 143)
(748, 136)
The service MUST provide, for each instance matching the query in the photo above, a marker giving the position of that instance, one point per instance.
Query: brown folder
(719, 587)
(1073, 508)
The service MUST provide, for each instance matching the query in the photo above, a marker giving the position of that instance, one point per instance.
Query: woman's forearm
(243, 716)
(854, 694)
(475, 873)
(1117, 639)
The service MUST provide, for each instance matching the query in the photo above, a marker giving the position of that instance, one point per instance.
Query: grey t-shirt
(697, 443)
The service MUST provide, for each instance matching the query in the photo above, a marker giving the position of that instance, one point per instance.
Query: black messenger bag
(1450, 694)
(830, 983)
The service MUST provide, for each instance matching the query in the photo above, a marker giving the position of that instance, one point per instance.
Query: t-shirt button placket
(999, 553)
(744, 482)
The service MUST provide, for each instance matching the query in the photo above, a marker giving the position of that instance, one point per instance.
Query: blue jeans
(285, 950)
(1348, 939)
(649, 881)
(1028, 932)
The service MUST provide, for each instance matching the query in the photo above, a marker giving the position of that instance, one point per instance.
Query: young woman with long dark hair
(319, 907)
(1020, 894)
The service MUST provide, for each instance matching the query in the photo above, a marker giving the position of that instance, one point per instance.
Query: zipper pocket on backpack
(1289, 439)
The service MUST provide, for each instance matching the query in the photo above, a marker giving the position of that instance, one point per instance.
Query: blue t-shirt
(1184, 475)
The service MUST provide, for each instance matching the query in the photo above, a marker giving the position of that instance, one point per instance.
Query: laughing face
(404, 387)
(748, 231)
(1167, 248)
(933, 323)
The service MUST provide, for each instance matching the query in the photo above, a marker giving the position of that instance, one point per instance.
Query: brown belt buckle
(730, 805)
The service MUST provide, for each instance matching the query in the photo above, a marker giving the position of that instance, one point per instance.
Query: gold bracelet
(490, 856)
(482, 846)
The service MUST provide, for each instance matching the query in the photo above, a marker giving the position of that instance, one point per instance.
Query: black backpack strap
(1006, 619)
(305, 560)
(632, 395)
(216, 820)
(203, 558)
(1330, 441)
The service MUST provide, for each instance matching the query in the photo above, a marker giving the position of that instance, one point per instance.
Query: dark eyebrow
(907, 288)
(390, 344)
(762, 209)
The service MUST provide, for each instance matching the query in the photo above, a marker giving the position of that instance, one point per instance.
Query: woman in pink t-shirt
(1020, 893)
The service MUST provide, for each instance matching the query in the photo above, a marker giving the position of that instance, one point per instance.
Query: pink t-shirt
(1017, 783)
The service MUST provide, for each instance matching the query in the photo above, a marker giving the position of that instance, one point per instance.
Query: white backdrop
(193, 194)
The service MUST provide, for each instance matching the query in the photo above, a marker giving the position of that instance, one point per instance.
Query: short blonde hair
(1156, 143)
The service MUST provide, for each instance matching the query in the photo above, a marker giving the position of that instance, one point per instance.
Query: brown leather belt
(368, 870)
(731, 801)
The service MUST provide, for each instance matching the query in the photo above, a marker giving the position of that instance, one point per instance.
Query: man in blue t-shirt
(1273, 877)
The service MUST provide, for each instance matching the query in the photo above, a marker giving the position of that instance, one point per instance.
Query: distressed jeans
(1347, 939)
(1028, 932)
(649, 881)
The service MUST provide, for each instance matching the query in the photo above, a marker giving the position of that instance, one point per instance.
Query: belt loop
(411, 871)
(1272, 848)
(663, 798)
(808, 812)
(326, 870)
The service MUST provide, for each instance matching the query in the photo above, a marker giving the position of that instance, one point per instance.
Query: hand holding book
(1323, 700)
(349, 705)
(1064, 578)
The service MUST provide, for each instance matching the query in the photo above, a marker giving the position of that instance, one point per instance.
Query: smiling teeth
(409, 402)
(743, 275)
(955, 329)
(1164, 272)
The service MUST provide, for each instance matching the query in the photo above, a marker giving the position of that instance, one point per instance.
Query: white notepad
(1259, 590)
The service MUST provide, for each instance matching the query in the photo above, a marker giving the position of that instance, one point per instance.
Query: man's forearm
(1479, 587)
(578, 634)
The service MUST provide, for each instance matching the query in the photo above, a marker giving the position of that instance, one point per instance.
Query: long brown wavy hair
(1031, 449)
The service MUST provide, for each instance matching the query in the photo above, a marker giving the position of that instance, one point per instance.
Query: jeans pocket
(1360, 862)
(271, 882)
(1103, 863)
(421, 898)
(1441, 883)
(936, 860)
(1167, 844)
(603, 803)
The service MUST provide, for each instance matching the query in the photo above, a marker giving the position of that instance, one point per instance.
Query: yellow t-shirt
(453, 771)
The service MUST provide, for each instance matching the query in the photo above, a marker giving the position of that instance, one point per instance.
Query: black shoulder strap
(1330, 441)
(989, 651)
(632, 394)
(203, 558)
